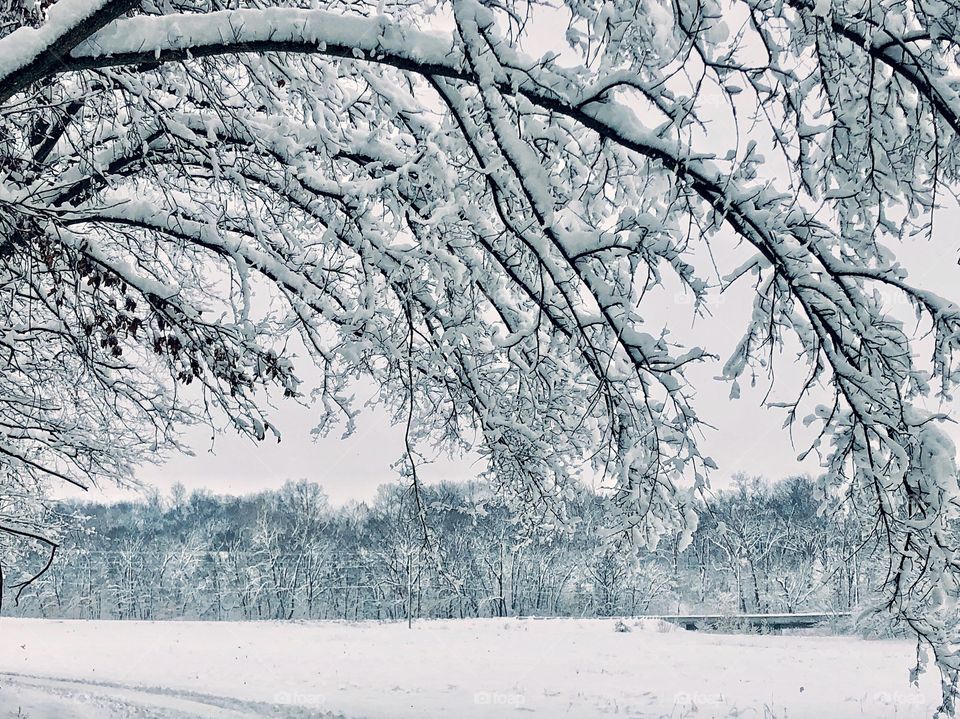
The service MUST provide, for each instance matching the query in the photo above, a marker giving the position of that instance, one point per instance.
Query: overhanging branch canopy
(479, 230)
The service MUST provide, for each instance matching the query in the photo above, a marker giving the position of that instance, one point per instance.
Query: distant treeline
(287, 554)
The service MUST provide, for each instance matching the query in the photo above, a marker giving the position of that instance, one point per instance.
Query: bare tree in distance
(481, 231)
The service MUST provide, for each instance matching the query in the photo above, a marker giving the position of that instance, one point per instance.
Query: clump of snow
(25, 44)
(366, 36)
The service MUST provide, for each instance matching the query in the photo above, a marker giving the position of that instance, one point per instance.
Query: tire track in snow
(110, 700)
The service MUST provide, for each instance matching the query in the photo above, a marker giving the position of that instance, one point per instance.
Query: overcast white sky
(747, 439)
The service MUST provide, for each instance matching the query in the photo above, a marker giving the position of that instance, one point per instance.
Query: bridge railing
(772, 621)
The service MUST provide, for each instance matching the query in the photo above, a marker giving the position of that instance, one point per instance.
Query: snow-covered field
(444, 669)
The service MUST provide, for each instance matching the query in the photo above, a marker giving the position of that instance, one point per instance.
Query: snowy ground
(457, 669)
